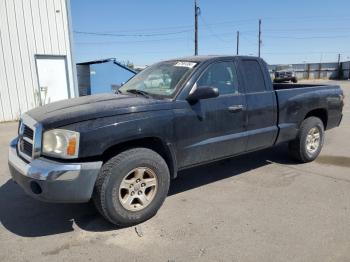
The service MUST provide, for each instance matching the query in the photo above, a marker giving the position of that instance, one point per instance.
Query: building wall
(346, 70)
(29, 28)
(105, 76)
(318, 70)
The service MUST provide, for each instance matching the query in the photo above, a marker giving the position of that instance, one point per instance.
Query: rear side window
(254, 77)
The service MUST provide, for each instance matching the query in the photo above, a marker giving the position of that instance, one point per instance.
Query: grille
(25, 142)
(27, 148)
(28, 132)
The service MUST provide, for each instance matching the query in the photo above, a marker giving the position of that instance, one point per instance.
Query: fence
(319, 70)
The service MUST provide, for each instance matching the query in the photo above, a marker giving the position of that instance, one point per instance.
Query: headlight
(61, 143)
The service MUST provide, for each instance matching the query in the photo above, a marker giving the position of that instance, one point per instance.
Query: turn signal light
(72, 146)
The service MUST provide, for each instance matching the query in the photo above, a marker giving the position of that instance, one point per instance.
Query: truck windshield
(284, 67)
(161, 79)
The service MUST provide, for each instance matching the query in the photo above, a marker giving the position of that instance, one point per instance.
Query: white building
(36, 65)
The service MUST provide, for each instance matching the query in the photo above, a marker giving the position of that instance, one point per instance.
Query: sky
(145, 32)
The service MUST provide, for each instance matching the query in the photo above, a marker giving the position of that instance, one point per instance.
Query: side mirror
(203, 92)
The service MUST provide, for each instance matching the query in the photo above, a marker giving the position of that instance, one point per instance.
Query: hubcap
(313, 140)
(138, 188)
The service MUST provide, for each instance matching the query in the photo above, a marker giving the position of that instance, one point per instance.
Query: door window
(221, 75)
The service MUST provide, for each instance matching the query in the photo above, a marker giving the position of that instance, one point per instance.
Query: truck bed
(280, 86)
(295, 101)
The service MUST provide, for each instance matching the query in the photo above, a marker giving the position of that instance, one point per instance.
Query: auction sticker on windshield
(185, 64)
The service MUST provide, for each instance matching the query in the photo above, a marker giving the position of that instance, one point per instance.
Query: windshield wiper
(138, 92)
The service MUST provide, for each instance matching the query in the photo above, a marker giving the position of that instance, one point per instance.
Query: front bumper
(53, 181)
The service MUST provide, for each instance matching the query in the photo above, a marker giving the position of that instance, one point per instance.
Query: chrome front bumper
(53, 181)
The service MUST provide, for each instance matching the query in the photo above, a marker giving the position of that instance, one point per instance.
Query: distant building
(102, 76)
(36, 65)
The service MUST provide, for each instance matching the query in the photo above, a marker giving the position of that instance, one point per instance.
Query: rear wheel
(307, 146)
(295, 80)
(132, 186)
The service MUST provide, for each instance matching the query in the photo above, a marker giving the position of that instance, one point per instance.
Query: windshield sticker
(185, 64)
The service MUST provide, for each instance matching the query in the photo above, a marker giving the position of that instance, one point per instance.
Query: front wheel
(131, 186)
(307, 146)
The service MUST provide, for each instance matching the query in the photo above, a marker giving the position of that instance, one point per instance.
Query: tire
(116, 171)
(298, 148)
(295, 80)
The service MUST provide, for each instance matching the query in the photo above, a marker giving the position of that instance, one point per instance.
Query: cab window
(221, 75)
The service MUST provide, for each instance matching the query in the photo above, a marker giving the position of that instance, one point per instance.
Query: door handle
(234, 109)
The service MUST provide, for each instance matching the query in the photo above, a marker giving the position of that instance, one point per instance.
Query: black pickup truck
(121, 150)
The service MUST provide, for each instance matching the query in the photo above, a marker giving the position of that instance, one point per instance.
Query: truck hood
(74, 110)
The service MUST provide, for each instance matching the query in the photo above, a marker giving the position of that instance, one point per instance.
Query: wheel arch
(320, 113)
(154, 143)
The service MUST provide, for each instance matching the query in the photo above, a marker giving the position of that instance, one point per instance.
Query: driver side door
(213, 128)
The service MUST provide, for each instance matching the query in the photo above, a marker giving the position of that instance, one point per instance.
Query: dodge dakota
(122, 150)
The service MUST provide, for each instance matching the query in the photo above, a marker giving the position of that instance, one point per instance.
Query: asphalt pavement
(256, 207)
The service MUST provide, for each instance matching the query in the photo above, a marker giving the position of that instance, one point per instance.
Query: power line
(129, 35)
(154, 52)
(149, 29)
(211, 31)
(247, 39)
(308, 18)
(301, 30)
(130, 41)
(303, 53)
(298, 37)
(304, 29)
(229, 22)
(212, 34)
(207, 26)
(309, 37)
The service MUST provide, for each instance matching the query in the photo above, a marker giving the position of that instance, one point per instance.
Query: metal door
(52, 77)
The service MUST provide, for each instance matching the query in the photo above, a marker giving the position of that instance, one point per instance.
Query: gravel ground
(256, 207)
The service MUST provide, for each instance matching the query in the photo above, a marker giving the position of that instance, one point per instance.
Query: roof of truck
(202, 58)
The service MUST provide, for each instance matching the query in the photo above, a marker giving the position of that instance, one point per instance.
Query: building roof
(113, 60)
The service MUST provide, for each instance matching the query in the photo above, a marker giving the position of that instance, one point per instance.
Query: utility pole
(259, 38)
(340, 73)
(237, 47)
(196, 11)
